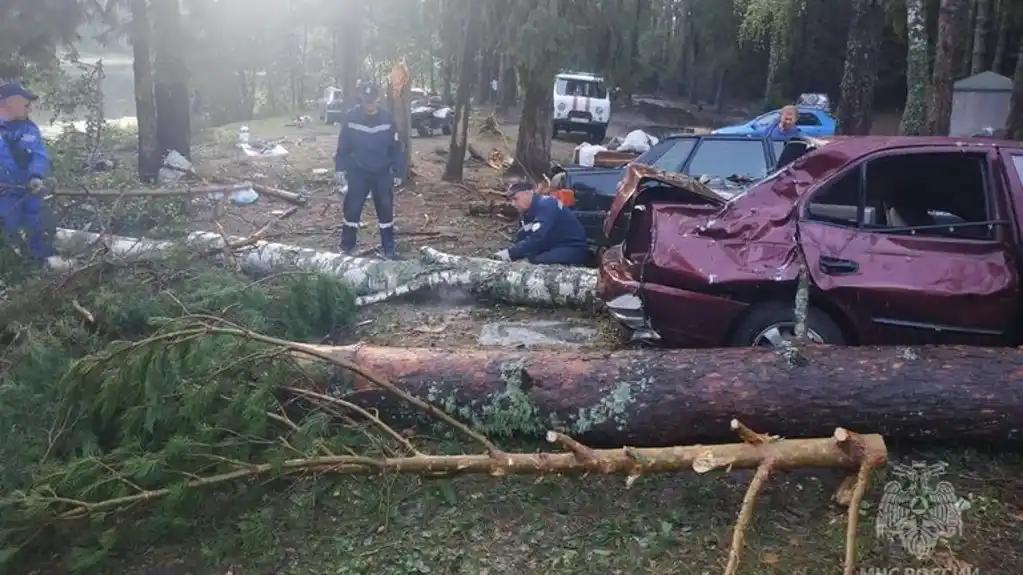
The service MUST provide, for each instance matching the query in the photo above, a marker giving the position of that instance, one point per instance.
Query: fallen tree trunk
(290, 197)
(672, 397)
(374, 280)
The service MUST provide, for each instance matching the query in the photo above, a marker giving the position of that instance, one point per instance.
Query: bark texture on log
(662, 397)
(378, 280)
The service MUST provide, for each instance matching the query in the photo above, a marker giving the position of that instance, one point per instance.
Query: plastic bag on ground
(587, 154)
(637, 141)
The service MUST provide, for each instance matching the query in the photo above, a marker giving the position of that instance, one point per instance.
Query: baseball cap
(14, 89)
(518, 186)
(369, 89)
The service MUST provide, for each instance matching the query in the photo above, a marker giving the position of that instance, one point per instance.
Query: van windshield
(580, 88)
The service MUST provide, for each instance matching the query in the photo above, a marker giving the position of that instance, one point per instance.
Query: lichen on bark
(914, 116)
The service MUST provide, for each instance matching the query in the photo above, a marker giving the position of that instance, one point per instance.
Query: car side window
(808, 119)
(838, 201)
(767, 120)
(916, 194)
(675, 156)
(724, 158)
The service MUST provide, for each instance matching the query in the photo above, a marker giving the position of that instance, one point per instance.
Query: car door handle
(837, 267)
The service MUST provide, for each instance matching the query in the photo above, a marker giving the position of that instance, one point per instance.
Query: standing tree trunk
(952, 36)
(508, 84)
(460, 130)
(1014, 127)
(914, 116)
(352, 57)
(533, 148)
(964, 55)
(980, 33)
(860, 76)
(399, 93)
(1002, 42)
(170, 86)
(150, 156)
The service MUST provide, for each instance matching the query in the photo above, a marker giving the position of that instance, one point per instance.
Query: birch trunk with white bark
(373, 280)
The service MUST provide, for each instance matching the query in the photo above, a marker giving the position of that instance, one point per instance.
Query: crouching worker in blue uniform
(369, 156)
(550, 234)
(24, 166)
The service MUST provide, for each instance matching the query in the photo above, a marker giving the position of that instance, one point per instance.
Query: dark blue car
(727, 163)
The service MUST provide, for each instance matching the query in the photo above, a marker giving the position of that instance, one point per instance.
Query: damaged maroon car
(905, 240)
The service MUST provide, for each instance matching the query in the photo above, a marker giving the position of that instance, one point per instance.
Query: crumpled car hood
(629, 189)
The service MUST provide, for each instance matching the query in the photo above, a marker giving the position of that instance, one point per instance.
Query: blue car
(812, 121)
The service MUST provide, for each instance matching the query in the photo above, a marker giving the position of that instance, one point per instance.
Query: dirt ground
(677, 524)
(428, 212)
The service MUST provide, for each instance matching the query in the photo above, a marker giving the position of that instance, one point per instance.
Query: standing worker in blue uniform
(550, 234)
(24, 167)
(370, 158)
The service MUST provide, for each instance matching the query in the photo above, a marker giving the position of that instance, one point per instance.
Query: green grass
(583, 525)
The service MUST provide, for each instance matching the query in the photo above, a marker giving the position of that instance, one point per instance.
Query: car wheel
(424, 131)
(767, 325)
(446, 129)
(599, 135)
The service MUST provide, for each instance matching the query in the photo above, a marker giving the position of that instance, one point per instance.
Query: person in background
(786, 128)
(370, 160)
(550, 232)
(24, 167)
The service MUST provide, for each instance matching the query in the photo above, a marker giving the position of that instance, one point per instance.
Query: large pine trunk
(679, 397)
(170, 85)
(533, 148)
(453, 170)
(914, 116)
(149, 153)
(981, 25)
(1014, 127)
(860, 76)
(352, 55)
(952, 34)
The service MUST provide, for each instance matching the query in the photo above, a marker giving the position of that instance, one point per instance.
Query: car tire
(755, 330)
(424, 131)
(446, 129)
(599, 135)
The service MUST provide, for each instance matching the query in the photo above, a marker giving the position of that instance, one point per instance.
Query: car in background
(728, 164)
(332, 105)
(905, 241)
(581, 104)
(812, 121)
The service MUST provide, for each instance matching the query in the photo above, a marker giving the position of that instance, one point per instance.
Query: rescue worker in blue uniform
(24, 168)
(550, 234)
(370, 158)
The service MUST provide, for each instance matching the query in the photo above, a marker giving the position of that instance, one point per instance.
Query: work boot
(387, 243)
(349, 236)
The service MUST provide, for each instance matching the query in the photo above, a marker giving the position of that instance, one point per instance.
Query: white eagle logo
(918, 512)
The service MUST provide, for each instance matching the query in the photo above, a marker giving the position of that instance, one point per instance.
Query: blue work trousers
(362, 184)
(565, 256)
(22, 214)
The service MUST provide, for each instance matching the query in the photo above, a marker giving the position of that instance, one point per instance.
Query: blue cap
(369, 89)
(14, 89)
(518, 186)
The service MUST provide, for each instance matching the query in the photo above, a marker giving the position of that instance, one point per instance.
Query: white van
(581, 104)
